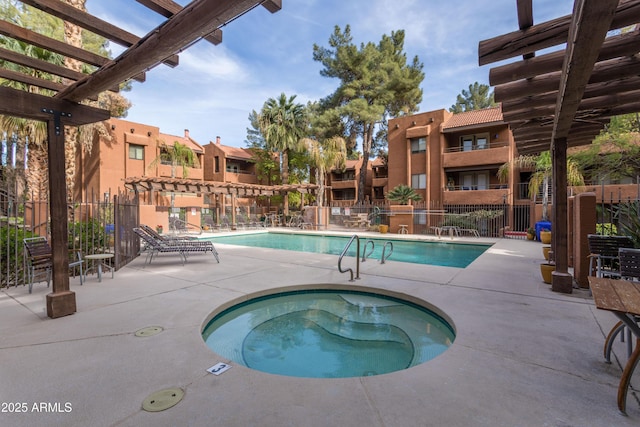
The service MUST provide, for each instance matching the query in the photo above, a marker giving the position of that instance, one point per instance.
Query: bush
(12, 253)
(607, 229)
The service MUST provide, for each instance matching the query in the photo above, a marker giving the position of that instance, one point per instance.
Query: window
(474, 142)
(418, 145)
(419, 181)
(475, 181)
(136, 152)
(216, 164)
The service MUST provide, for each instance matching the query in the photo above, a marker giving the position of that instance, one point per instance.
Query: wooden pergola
(563, 99)
(179, 185)
(200, 19)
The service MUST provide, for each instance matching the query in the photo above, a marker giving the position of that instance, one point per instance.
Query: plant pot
(545, 237)
(530, 236)
(546, 269)
(545, 252)
(383, 228)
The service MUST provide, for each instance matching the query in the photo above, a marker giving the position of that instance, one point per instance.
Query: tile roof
(170, 139)
(475, 117)
(236, 152)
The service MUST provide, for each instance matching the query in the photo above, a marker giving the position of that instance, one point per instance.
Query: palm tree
(542, 166)
(402, 194)
(330, 153)
(177, 155)
(282, 123)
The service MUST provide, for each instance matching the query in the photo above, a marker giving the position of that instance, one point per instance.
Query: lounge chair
(39, 261)
(181, 247)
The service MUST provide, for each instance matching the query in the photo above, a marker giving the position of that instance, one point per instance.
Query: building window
(216, 164)
(418, 145)
(419, 181)
(475, 181)
(474, 142)
(136, 152)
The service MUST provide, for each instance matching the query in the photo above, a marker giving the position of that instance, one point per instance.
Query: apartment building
(344, 184)
(453, 159)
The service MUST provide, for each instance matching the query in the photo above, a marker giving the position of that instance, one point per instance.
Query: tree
(476, 98)
(375, 82)
(177, 155)
(34, 132)
(615, 153)
(541, 164)
(282, 123)
(403, 194)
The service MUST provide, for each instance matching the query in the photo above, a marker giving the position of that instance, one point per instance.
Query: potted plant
(159, 229)
(402, 194)
(546, 270)
(531, 233)
(545, 236)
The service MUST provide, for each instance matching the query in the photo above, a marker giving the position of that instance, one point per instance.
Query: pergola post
(561, 280)
(62, 301)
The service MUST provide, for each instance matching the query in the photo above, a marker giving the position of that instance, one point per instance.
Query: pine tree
(375, 82)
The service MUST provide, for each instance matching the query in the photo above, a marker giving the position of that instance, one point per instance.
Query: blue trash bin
(542, 225)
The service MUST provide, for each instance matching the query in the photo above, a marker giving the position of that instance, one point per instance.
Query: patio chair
(39, 263)
(180, 247)
(629, 260)
(603, 250)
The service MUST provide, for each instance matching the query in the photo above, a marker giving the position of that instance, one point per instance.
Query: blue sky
(214, 88)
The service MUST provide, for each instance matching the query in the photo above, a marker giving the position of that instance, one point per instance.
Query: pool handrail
(364, 249)
(344, 251)
(384, 247)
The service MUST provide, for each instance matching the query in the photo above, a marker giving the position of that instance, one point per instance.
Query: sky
(215, 88)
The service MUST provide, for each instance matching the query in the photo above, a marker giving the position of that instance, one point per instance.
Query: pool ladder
(355, 237)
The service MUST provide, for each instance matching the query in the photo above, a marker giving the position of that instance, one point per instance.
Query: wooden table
(100, 258)
(622, 298)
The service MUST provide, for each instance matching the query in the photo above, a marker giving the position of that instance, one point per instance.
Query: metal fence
(488, 220)
(95, 225)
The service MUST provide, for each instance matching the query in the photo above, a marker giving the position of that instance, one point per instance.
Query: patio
(523, 355)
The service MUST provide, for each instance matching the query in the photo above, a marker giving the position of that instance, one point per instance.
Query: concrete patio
(523, 355)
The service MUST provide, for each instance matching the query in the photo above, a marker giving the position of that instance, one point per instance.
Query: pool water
(415, 251)
(328, 334)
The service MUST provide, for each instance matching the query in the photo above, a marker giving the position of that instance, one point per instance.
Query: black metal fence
(95, 225)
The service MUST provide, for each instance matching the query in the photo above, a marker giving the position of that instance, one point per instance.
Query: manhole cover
(163, 399)
(149, 331)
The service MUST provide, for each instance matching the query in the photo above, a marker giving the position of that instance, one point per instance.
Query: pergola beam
(605, 71)
(66, 12)
(547, 34)
(626, 44)
(191, 23)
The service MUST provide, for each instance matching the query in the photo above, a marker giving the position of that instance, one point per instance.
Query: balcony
(494, 195)
(341, 184)
(456, 158)
(164, 170)
(379, 181)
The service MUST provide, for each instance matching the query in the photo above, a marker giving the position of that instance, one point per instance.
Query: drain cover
(163, 399)
(149, 331)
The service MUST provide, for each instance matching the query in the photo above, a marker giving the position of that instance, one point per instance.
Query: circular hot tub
(323, 333)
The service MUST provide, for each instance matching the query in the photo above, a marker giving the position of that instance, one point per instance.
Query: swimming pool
(328, 334)
(414, 251)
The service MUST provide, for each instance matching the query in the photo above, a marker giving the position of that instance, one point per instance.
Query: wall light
(397, 126)
(149, 133)
(132, 130)
(113, 127)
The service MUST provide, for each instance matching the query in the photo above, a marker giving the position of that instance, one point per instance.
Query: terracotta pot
(530, 236)
(546, 269)
(383, 228)
(545, 237)
(545, 252)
